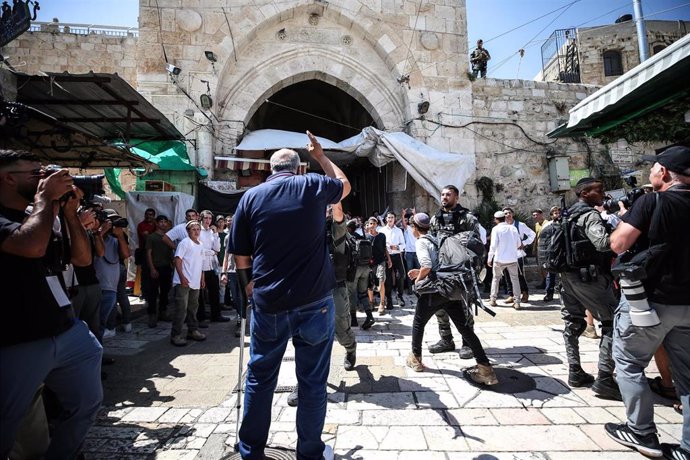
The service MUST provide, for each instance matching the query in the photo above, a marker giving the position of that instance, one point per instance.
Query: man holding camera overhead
(654, 232)
(41, 341)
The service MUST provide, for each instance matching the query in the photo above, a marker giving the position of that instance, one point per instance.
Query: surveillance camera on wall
(211, 56)
(172, 69)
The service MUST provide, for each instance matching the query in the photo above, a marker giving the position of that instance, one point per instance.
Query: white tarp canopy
(430, 168)
(171, 204)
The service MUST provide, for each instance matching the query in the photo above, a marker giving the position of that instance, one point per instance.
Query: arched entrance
(329, 112)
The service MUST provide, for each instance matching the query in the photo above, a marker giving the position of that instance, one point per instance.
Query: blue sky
(486, 19)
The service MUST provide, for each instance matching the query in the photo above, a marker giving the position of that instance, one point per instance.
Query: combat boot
(577, 377)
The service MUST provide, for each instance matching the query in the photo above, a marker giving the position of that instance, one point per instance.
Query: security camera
(172, 69)
(211, 56)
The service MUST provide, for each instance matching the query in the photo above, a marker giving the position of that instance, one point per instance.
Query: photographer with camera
(111, 242)
(41, 341)
(655, 306)
(588, 284)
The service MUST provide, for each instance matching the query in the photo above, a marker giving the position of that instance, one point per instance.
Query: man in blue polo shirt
(282, 259)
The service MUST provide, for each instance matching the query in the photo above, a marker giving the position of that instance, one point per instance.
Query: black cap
(675, 159)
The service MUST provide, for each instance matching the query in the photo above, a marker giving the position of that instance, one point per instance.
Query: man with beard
(449, 220)
(41, 341)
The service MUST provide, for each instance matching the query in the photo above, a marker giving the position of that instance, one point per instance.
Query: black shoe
(674, 452)
(466, 352)
(368, 323)
(442, 346)
(645, 444)
(293, 399)
(220, 319)
(350, 360)
(607, 388)
(548, 298)
(353, 319)
(579, 378)
(402, 301)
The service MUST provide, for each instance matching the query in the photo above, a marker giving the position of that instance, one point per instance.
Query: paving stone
(445, 438)
(380, 400)
(144, 414)
(564, 415)
(414, 455)
(497, 456)
(674, 432)
(177, 454)
(528, 438)
(463, 417)
(590, 454)
(599, 437)
(342, 416)
(173, 415)
(423, 384)
(436, 400)
(364, 437)
(594, 414)
(364, 454)
(525, 416)
(392, 417)
(403, 438)
(215, 415)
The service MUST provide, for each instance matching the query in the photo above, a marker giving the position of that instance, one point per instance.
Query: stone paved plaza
(179, 403)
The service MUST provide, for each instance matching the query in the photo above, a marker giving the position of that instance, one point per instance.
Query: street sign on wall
(15, 20)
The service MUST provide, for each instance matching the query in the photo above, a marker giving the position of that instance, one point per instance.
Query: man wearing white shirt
(411, 261)
(210, 241)
(503, 255)
(187, 281)
(527, 236)
(395, 243)
(179, 231)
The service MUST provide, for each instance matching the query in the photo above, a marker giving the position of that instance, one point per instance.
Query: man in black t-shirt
(658, 221)
(41, 342)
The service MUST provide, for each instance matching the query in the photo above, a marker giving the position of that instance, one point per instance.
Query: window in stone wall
(613, 64)
(658, 48)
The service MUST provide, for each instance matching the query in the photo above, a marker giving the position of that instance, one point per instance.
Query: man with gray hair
(290, 277)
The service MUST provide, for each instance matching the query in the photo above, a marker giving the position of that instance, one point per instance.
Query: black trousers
(210, 294)
(395, 276)
(158, 290)
(427, 305)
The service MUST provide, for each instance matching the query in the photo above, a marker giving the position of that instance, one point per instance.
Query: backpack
(552, 250)
(362, 250)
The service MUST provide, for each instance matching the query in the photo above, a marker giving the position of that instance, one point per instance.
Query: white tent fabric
(430, 168)
(170, 204)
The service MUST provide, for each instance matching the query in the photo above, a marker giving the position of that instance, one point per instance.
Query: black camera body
(611, 205)
(90, 185)
(119, 222)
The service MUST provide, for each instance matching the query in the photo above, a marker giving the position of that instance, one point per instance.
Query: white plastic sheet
(430, 168)
(170, 204)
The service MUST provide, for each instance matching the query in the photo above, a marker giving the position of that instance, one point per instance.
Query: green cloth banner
(168, 155)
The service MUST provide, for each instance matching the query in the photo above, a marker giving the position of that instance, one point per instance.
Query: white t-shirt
(178, 232)
(192, 255)
(505, 241)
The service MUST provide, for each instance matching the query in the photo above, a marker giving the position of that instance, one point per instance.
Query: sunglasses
(33, 172)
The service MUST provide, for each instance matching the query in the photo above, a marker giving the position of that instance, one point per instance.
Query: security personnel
(589, 285)
(449, 220)
(479, 59)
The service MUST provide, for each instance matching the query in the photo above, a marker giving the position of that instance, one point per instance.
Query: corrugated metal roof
(652, 84)
(102, 105)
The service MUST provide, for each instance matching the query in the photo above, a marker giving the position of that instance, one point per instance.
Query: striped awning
(658, 81)
(251, 164)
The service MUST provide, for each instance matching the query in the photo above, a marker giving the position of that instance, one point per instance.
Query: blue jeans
(70, 366)
(311, 328)
(108, 300)
(634, 347)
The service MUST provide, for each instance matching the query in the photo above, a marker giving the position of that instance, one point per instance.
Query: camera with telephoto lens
(90, 185)
(611, 205)
(119, 222)
(631, 275)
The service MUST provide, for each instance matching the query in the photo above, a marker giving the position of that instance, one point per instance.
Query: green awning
(166, 155)
(658, 81)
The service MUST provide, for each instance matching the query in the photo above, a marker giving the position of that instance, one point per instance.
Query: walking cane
(238, 405)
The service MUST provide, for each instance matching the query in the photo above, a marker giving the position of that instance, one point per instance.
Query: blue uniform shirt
(281, 223)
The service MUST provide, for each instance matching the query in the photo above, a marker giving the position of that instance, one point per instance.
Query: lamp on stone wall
(423, 107)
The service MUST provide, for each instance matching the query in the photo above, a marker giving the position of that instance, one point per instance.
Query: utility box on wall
(559, 173)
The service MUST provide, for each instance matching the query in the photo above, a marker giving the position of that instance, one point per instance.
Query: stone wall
(56, 51)
(593, 41)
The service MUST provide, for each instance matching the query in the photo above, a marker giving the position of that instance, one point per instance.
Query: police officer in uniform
(589, 285)
(450, 219)
(479, 59)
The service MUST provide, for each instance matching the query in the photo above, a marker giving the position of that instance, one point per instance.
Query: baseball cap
(499, 214)
(675, 159)
(111, 213)
(421, 220)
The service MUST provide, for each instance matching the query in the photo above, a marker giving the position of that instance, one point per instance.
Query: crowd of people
(307, 282)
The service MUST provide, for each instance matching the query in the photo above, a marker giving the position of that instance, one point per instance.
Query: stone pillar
(204, 145)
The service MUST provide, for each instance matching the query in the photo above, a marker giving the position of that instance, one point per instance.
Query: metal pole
(641, 31)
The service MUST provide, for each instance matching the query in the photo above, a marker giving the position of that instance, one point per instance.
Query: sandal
(657, 387)
(678, 407)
